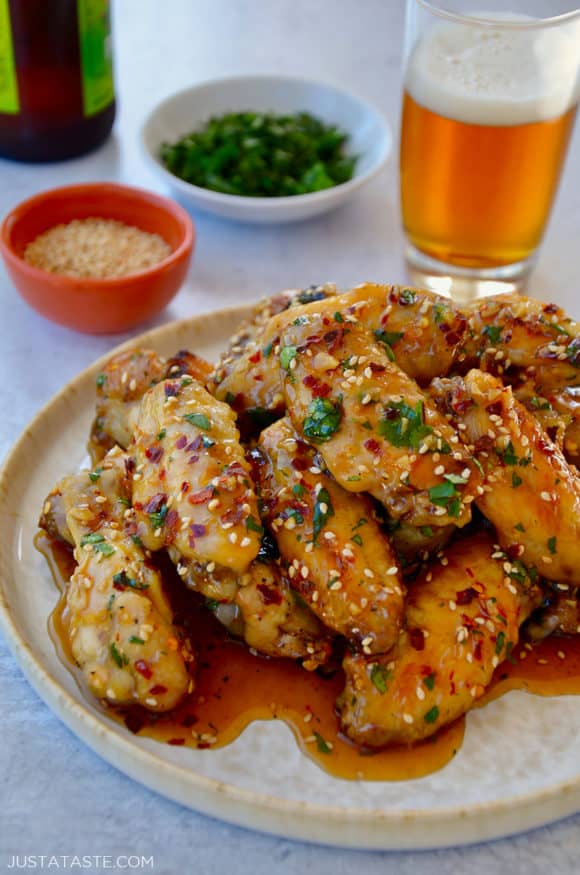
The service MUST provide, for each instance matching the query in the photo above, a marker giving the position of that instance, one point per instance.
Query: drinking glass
(488, 109)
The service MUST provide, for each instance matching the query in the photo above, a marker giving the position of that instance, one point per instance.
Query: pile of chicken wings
(378, 474)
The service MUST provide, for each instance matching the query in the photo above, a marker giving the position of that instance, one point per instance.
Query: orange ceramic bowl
(98, 306)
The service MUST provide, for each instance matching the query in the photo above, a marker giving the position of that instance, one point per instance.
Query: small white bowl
(369, 137)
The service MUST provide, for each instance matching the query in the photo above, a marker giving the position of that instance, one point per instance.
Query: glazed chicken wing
(247, 374)
(117, 617)
(192, 491)
(462, 619)
(337, 557)
(530, 494)
(375, 429)
(520, 338)
(120, 387)
(275, 623)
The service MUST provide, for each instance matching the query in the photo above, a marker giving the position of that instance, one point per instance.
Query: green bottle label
(96, 55)
(9, 102)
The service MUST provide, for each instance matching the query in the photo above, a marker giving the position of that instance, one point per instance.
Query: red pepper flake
(154, 453)
(372, 446)
(376, 368)
(177, 742)
(155, 503)
(270, 596)
(143, 668)
(158, 690)
(478, 650)
(202, 496)
(300, 464)
(171, 526)
(417, 639)
(185, 487)
(255, 357)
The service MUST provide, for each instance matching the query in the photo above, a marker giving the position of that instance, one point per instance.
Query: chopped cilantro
(338, 317)
(499, 643)
(93, 538)
(403, 426)
(161, 434)
(519, 527)
(212, 604)
(432, 715)
(407, 296)
(157, 519)
(298, 490)
(445, 495)
(552, 544)
(122, 580)
(287, 355)
(322, 745)
(198, 419)
(426, 531)
(380, 675)
(323, 510)
(357, 540)
(456, 479)
(101, 380)
(134, 639)
(323, 420)
(539, 403)
(493, 332)
(388, 339)
(267, 351)
(509, 455)
(516, 480)
(429, 681)
(94, 475)
(362, 522)
(439, 311)
(253, 526)
(119, 658)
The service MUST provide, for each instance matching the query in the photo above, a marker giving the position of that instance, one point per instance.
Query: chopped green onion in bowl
(262, 155)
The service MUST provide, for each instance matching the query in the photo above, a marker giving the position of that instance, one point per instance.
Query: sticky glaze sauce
(234, 687)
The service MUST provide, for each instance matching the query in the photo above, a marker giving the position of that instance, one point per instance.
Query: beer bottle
(57, 97)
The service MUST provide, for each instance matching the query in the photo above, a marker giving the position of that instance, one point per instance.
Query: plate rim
(362, 828)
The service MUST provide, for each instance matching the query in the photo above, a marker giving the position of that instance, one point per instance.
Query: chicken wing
(516, 337)
(530, 493)
(336, 555)
(117, 617)
(246, 375)
(462, 619)
(192, 491)
(375, 429)
(120, 387)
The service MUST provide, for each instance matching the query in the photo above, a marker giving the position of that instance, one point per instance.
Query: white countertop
(58, 797)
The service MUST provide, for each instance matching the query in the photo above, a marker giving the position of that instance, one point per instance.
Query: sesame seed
(304, 572)
(545, 496)
(290, 523)
(561, 654)
(452, 605)
(315, 596)
(100, 499)
(211, 505)
(233, 537)
(392, 570)
(210, 567)
(368, 573)
(407, 718)
(366, 399)
(420, 693)
(366, 641)
(245, 542)
(329, 536)
(439, 470)
(309, 548)
(315, 470)
(307, 717)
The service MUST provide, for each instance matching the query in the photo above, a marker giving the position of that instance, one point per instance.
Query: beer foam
(496, 76)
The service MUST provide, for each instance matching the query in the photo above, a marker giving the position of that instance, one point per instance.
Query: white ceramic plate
(519, 766)
(369, 133)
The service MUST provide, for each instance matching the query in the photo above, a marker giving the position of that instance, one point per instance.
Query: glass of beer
(490, 97)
